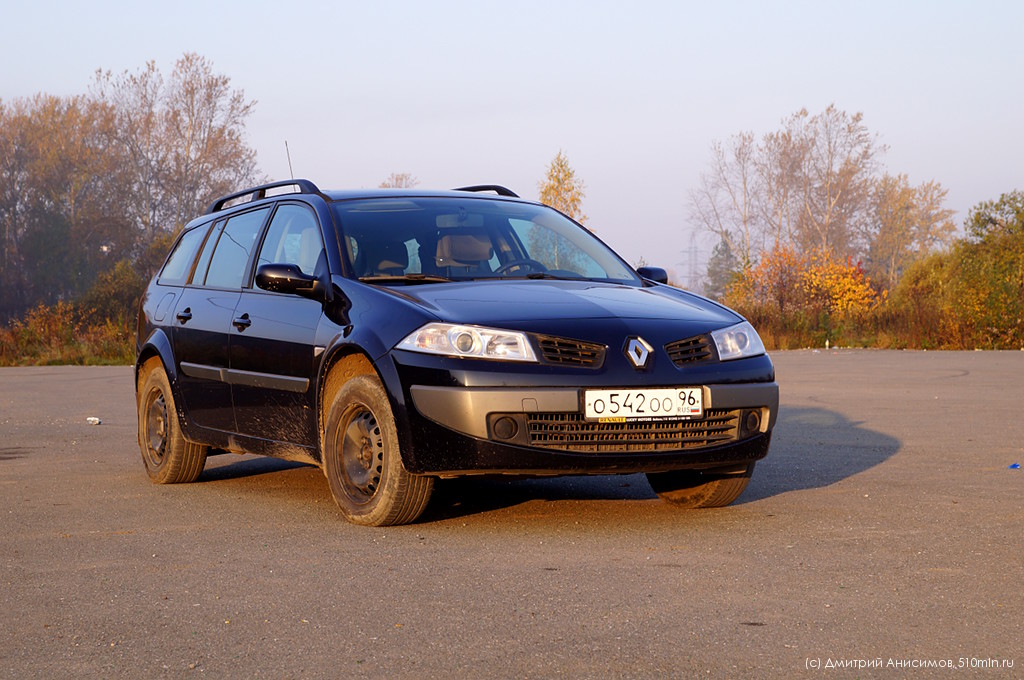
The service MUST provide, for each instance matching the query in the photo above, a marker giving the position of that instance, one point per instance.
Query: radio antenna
(289, 154)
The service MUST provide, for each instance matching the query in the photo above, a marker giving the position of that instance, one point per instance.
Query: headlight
(737, 342)
(470, 342)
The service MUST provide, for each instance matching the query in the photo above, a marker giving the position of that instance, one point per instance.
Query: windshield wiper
(404, 278)
(557, 277)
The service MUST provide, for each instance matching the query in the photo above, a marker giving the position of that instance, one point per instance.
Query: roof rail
(496, 188)
(256, 193)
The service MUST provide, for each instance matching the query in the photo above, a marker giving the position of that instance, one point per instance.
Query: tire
(701, 488)
(168, 458)
(362, 459)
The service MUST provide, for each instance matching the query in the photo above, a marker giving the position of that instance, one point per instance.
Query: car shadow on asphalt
(232, 466)
(811, 448)
(462, 497)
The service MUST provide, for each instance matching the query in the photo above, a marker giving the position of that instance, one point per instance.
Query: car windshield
(431, 239)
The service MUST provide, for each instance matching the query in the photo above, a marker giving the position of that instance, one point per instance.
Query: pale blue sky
(634, 93)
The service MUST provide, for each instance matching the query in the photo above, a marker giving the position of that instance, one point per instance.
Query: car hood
(532, 304)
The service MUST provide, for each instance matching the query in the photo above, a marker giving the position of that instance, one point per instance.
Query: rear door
(204, 315)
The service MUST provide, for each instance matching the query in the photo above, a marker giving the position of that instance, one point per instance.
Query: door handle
(185, 315)
(242, 322)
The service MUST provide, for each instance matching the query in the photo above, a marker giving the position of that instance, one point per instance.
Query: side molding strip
(285, 383)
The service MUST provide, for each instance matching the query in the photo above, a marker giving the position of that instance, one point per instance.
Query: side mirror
(287, 278)
(656, 274)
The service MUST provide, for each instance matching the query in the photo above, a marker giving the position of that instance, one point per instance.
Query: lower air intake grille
(570, 432)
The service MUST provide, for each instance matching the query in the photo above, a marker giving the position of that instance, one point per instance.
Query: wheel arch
(342, 365)
(157, 345)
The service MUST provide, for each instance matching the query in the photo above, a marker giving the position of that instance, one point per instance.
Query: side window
(179, 264)
(227, 266)
(204, 257)
(292, 238)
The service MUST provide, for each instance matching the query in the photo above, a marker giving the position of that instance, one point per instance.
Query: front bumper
(538, 431)
(466, 410)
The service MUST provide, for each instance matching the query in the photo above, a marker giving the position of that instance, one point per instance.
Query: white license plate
(620, 405)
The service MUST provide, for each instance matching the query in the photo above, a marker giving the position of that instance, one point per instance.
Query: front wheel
(363, 462)
(168, 457)
(701, 488)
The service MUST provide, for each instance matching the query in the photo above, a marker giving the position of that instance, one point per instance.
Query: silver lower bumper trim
(465, 409)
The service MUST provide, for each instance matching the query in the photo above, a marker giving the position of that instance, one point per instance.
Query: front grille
(571, 432)
(573, 352)
(690, 350)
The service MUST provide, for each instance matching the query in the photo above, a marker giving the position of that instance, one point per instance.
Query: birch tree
(564, 191)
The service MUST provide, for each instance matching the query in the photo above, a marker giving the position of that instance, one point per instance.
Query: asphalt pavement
(882, 537)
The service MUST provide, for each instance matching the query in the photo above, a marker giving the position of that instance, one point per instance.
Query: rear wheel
(362, 459)
(168, 458)
(701, 488)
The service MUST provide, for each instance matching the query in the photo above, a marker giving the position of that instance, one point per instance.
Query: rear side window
(227, 266)
(199, 273)
(179, 264)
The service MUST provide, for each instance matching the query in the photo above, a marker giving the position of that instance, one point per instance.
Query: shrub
(58, 335)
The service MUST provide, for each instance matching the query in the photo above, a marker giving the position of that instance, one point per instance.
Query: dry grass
(62, 334)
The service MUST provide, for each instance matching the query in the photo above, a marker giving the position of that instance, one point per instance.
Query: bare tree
(806, 186)
(182, 139)
(138, 140)
(780, 157)
(205, 124)
(399, 180)
(725, 201)
(836, 176)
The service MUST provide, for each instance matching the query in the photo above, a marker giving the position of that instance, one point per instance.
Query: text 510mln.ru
(957, 663)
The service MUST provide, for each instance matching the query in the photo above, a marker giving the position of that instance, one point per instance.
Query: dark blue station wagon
(392, 337)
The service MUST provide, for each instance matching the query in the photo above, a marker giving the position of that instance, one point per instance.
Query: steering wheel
(525, 262)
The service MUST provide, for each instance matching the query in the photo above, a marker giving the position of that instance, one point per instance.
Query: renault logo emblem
(638, 352)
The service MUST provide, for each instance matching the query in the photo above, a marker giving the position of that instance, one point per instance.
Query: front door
(273, 353)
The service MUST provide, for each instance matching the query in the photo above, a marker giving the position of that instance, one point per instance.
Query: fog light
(752, 422)
(505, 428)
